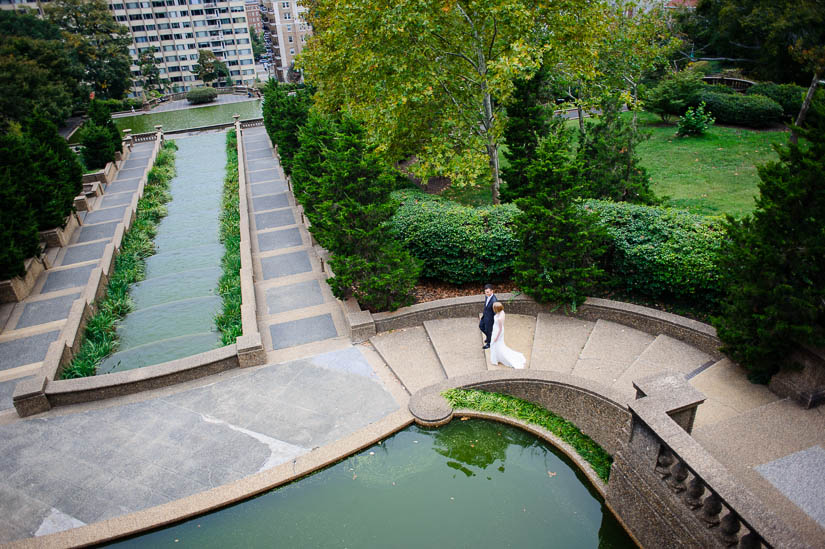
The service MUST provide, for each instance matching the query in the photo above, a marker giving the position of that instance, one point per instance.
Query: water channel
(177, 301)
(470, 483)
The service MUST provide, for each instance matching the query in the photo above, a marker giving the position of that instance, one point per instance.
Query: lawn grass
(228, 320)
(713, 174)
(484, 401)
(100, 336)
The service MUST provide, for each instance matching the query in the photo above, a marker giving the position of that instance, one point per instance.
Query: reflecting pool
(471, 483)
(190, 118)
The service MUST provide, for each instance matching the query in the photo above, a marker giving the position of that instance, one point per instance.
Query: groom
(486, 322)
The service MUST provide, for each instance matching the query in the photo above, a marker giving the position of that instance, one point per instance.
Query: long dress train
(500, 353)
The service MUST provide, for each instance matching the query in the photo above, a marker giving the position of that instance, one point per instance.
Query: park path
(29, 327)
(771, 445)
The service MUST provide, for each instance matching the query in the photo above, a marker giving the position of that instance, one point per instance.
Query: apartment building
(177, 29)
(285, 33)
(253, 16)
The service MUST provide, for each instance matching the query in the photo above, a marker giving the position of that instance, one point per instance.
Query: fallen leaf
(551, 473)
(465, 418)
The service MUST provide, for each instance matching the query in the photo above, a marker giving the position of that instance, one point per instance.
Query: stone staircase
(608, 353)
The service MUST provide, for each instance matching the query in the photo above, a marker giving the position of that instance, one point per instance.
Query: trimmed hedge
(457, 244)
(199, 96)
(789, 96)
(754, 111)
(662, 252)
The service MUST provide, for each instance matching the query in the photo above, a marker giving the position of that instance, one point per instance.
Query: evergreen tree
(527, 121)
(608, 155)
(774, 262)
(101, 115)
(285, 110)
(97, 146)
(559, 242)
(57, 168)
(18, 229)
(345, 189)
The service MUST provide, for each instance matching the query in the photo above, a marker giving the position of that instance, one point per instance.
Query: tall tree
(100, 43)
(432, 78)
(210, 68)
(760, 35)
(528, 119)
(149, 70)
(258, 47)
(773, 262)
(37, 71)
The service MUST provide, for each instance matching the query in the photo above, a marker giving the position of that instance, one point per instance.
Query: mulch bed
(430, 290)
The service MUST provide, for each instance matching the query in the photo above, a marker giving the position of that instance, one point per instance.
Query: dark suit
(486, 322)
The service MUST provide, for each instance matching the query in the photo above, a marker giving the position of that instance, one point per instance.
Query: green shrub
(662, 252)
(719, 88)
(199, 96)
(383, 282)
(98, 147)
(228, 321)
(753, 111)
(694, 122)
(673, 94)
(789, 96)
(285, 109)
(456, 243)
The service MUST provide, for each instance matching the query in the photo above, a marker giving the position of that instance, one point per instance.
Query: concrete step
(457, 343)
(665, 353)
(729, 393)
(558, 342)
(519, 333)
(609, 351)
(410, 356)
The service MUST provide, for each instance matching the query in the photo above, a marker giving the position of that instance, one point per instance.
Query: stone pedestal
(18, 288)
(55, 238)
(807, 385)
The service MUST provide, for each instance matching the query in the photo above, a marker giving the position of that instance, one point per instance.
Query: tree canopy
(100, 43)
(38, 72)
(432, 78)
(210, 68)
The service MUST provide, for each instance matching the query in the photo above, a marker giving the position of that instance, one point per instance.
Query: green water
(468, 484)
(190, 118)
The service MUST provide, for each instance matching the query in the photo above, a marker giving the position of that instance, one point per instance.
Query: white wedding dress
(500, 353)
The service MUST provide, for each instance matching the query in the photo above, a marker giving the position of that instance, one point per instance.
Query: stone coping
(222, 496)
(364, 324)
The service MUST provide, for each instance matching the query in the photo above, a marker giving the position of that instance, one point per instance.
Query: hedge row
(753, 111)
(788, 96)
(658, 252)
(662, 252)
(457, 244)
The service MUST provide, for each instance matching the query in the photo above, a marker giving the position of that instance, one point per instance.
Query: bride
(499, 351)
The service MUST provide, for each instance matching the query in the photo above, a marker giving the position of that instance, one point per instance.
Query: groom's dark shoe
(485, 346)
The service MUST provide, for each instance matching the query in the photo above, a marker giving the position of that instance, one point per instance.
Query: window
(291, 51)
(287, 16)
(289, 39)
(117, 6)
(166, 37)
(122, 18)
(180, 47)
(135, 17)
(163, 26)
(235, 73)
(150, 27)
(138, 28)
(200, 23)
(168, 48)
(170, 58)
(289, 28)
(285, 5)
(141, 39)
(246, 61)
(196, 12)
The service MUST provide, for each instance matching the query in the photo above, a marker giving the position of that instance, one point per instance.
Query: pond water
(190, 118)
(471, 483)
(176, 302)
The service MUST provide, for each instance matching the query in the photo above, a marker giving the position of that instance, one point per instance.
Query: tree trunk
(492, 152)
(806, 104)
(581, 119)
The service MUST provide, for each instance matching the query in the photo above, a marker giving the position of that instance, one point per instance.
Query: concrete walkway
(82, 464)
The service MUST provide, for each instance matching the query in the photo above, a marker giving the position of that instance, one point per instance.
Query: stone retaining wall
(664, 487)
